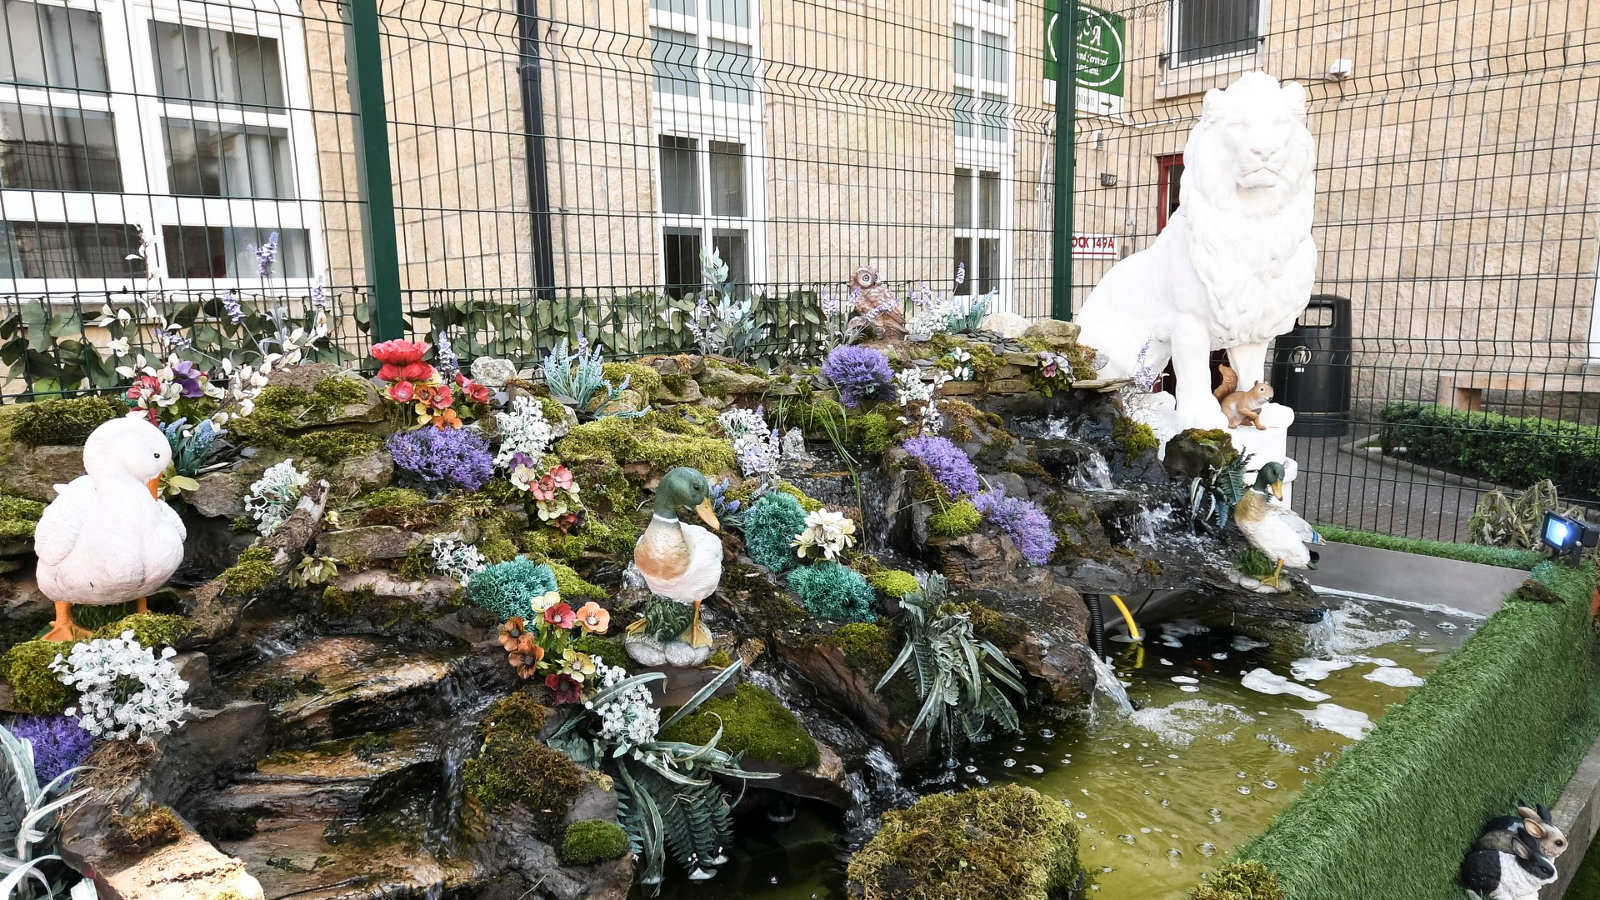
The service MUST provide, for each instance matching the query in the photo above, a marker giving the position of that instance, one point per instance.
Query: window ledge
(1197, 78)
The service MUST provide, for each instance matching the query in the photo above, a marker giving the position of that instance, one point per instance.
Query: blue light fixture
(1568, 537)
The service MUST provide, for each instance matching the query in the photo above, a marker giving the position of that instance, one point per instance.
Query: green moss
(753, 723)
(1248, 880)
(1134, 439)
(808, 503)
(281, 411)
(143, 830)
(385, 612)
(831, 591)
(512, 766)
(1255, 564)
(591, 841)
(574, 589)
(866, 645)
(645, 380)
(770, 527)
(1000, 843)
(340, 391)
(719, 659)
(64, 421)
(1001, 629)
(17, 517)
(394, 497)
(608, 648)
(282, 688)
(507, 589)
(871, 433)
(955, 520)
(339, 445)
(251, 574)
(653, 440)
(894, 583)
(149, 629)
(35, 689)
(418, 562)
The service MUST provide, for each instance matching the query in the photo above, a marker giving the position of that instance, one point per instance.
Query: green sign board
(1099, 40)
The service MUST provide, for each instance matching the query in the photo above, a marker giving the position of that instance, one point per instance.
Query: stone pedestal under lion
(1232, 270)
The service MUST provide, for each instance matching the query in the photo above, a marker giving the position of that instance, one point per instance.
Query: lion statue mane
(1234, 267)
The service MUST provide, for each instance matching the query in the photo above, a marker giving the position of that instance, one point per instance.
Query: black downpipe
(1097, 625)
(544, 261)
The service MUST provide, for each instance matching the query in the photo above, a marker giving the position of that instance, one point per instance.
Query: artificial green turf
(1490, 556)
(1507, 717)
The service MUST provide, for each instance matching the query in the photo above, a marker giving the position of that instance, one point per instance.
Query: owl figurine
(875, 304)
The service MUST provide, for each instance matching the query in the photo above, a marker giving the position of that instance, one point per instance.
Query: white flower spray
(124, 689)
(274, 496)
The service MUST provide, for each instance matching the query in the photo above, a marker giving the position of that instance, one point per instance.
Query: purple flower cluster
(59, 743)
(231, 305)
(266, 256)
(948, 464)
(860, 373)
(1024, 521)
(454, 457)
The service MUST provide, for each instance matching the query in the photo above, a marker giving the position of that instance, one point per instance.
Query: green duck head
(685, 487)
(1270, 479)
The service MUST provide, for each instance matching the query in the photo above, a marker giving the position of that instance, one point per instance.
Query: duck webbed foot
(63, 629)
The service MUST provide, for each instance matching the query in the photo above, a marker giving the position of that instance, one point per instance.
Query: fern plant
(961, 679)
(1500, 521)
(27, 820)
(577, 379)
(666, 798)
(1212, 498)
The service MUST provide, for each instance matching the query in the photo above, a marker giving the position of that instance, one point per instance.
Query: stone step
(295, 858)
(341, 687)
(328, 780)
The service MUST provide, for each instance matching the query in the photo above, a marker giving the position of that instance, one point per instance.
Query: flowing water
(1227, 720)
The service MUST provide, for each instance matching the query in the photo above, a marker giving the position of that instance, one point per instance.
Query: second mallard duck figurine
(1272, 527)
(680, 561)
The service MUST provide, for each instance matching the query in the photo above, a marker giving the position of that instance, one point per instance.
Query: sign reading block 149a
(1099, 41)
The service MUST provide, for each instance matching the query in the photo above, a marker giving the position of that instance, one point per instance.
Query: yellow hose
(1133, 628)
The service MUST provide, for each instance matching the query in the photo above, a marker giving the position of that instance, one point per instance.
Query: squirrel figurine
(1242, 406)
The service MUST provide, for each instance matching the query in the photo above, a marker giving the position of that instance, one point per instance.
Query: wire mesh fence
(555, 169)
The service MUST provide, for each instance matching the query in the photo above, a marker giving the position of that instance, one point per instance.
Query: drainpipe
(544, 264)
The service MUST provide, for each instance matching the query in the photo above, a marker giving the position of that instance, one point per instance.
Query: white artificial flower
(827, 534)
(119, 347)
(523, 429)
(125, 690)
(272, 498)
(458, 560)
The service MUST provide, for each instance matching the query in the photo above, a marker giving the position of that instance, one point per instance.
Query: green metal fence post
(372, 170)
(1066, 134)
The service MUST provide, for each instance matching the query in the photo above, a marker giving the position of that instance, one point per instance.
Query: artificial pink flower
(402, 391)
(398, 352)
(561, 616)
(566, 690)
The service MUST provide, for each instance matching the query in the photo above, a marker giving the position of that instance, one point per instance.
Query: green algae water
(1231, 718)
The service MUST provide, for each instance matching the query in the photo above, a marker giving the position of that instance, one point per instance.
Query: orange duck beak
(706, 514)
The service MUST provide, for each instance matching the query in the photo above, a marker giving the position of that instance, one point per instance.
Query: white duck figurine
(105, 538)
(1271, 526)
(681, 561)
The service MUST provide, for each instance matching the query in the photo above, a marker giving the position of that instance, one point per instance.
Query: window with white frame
(122, 122)
(708, 125)
(984, 73)
(1201, 30)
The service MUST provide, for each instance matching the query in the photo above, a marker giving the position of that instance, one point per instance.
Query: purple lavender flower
(319, 294)
(184, 373)
(266, 255)
(444, 458)
(448, 362)
(948, 464)
(1144, 377)
(961, 273)
(230, 304)
(860, 373)
(1024, 521)
(59, 743)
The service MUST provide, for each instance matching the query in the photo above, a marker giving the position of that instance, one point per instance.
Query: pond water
(1231, 718)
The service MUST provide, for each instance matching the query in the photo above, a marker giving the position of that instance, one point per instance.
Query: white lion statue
(1235, 264)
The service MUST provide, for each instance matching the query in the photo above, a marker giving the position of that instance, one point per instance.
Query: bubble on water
(1188, 689)
(980, 779)
(1018, 749)
(1244, 643)
(1046, 733)
(1242, 774)
(1172, 756)
(1447, 626)
(1215, 814)
(1037, 770)
(1244, 789)
(1174, 854)
(1220, 654)
(1166, 662)
(970, 769)
(1126, 838)
(1207, 849)
(772, 880)
(1304, 770)
(1184, 679)
(1166, 803)
(1009, 763)
(1269, 784)
(1395, 677)
(1082, 815)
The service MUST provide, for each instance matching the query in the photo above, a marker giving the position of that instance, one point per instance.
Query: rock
(517, 847)
(20, 597)
(687, 390)
(35, 471)
(493, 372)
(645, 650)
(221, 494)
(684, 655)
(189, 868)
(1009, 326)
(1247, 582)
(195, 669)
(360, 474)
(852, 692)
(1195, 452)
(626, 402)
(719, 380)
(376, 542)
(1058, 335)
(368, 409)
(434, 593)
(794, 447)
(827, 782)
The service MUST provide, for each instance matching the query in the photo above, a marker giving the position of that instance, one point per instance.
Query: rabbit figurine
(1517, 875)
(1500, 832)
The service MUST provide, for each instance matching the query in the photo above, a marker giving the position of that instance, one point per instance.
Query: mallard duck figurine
(1271, 526)
(105, 538)
(681, 561)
